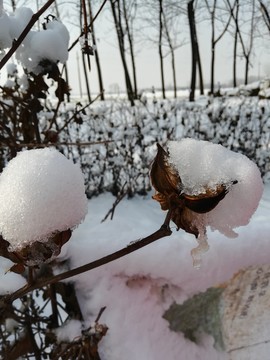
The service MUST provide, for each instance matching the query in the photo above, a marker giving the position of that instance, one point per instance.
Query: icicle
(202, 248)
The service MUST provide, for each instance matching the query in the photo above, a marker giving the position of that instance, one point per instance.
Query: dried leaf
(61, 238)
(62, 89)
(164, 179)
(17, 268)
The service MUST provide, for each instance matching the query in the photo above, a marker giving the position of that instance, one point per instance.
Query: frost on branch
(205, 184)
(42, 198)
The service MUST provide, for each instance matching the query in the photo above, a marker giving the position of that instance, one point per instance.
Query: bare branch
(133, 246)
(89, 26)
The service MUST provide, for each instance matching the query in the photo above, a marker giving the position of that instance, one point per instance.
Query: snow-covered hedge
(240, 124)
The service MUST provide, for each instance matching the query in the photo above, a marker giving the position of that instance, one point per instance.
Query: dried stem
(119, 198)
(134, 246)
(89, 26)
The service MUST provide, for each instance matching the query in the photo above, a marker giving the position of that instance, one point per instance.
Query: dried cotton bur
(42, 199)
(205, 184)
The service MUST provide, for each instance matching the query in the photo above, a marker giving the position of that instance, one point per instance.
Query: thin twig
(116, 202)
(89, 26)
(133, 246)
(101, 311)
(76, 113)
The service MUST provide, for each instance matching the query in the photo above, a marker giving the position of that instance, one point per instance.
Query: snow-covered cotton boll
(50, 44)
(58, 27)
(203, 165)
(42, 193)
(205, 168)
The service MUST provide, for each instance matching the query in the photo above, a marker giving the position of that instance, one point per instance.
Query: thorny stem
(133, 246)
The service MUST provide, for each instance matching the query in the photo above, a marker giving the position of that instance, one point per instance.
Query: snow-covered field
(137, 289)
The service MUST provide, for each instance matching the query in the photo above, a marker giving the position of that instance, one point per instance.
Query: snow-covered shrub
(239, 124)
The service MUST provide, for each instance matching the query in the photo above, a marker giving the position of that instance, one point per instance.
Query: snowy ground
(138, 289)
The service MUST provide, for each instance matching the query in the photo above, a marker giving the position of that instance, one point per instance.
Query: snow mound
(41, 193)
(202, 165)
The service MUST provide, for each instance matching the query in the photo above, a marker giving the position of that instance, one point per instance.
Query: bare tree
(235, 46)
(246, 30)
(265, 13)
(129, 19)
(214, 16)
(93, 34)
(160, 49)
(117, 17)
(196, 61)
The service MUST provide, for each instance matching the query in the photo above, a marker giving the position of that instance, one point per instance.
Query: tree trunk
(120, 36)
(172, 55)
(131, 47)
(191, 20)
(160, 48)
(100, 80)
(235, 47)
(212, 81)
(200, 67)
(246, 70)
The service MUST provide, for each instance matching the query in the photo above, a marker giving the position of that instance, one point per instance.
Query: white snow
(69, 331)
(12, 26)
(11, 69)
(41, 192)
(138, 288)
(5, 38)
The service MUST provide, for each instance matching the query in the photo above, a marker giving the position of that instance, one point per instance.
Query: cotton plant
(50, 44)
(42, 199)
(44, 47)
(204, 185)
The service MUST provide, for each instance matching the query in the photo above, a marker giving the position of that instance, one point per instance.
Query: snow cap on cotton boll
(204, 184)
(202, 165)
(42, 194)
